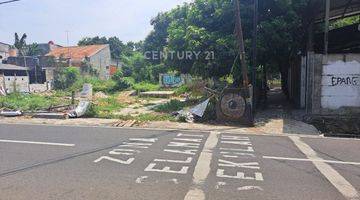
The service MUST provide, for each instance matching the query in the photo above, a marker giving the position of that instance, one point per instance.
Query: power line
(4, 2)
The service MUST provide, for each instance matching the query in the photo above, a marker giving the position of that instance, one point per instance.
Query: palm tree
(20, 43)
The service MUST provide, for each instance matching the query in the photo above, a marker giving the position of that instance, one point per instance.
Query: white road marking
(188, 160)
(312, 160)
(202, 168)
(125, 162)
(141, 179)
(219, 184)
(245, 188)
(249, 165)
(39, 143)
(248, 149)
(240, 175)
(151, 168)
(339, 182)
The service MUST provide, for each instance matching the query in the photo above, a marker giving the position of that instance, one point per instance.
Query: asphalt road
(46, 163)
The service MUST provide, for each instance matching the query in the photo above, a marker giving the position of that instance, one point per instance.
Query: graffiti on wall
(340, 85)
(171, 80)
(343, 81)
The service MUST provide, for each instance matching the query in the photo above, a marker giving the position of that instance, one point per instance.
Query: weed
(173, 105)
(145, 87)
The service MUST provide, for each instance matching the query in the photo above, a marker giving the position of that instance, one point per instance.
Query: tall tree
(20, 43)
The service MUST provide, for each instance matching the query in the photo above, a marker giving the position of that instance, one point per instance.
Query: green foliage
(182, 90)
(105, 108)
(99, 85)
(29, 102)
(120, 83)
(117, 76)
(345, 22)
(33, 50)
(65, 78)
(173, 105)
(20, 43)
(145, 87)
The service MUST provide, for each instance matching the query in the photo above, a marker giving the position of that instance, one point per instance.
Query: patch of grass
(29, 102)
(145, 87)
(105, 108)
(173, 105)
(182, 90)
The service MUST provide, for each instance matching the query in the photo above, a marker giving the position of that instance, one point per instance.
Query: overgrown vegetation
(145, 87)
(65, 77)
(30, 102)
(173, 105)
(106, 107)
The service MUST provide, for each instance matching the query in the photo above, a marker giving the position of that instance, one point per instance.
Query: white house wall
(21, 82)
(101, 62)
(340, 85)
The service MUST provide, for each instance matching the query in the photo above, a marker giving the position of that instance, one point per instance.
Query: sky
(50, 20)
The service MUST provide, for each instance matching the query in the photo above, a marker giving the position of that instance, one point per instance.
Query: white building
(13, 79)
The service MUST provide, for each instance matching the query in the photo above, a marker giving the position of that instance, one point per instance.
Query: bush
(121, 83)
(65, 77)
(145, 87)
(182, 90)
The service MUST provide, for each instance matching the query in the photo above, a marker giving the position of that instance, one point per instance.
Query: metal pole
(240, 38)
(327, 22)
(254, 47)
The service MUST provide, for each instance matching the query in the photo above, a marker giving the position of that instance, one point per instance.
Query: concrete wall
(38, 88)
(2, 85)
(340, 85)
(332, 84)
(4, 50)
(19, 83)
(101, 62)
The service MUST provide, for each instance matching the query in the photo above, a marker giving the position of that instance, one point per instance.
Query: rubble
(51, 115)
(80, 110)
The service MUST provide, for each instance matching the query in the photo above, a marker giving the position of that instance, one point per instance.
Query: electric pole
(254, 48)
(240, 39)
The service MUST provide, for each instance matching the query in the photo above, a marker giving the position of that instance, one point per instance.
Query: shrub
(182, 90)
(65, 77)
(121, 83)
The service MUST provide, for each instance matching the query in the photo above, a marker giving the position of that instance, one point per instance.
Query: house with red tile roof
(98, 57)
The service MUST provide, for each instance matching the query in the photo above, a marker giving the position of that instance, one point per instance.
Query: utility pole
(327, 22)
(254, 48)
(67, 43)
(240, 39)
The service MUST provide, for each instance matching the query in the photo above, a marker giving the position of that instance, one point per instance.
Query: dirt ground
(276, 118)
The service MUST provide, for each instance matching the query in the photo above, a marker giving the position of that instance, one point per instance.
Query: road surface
(46, 163)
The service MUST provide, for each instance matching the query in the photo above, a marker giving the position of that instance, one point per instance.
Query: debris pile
(127, 123)
(58, 112)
